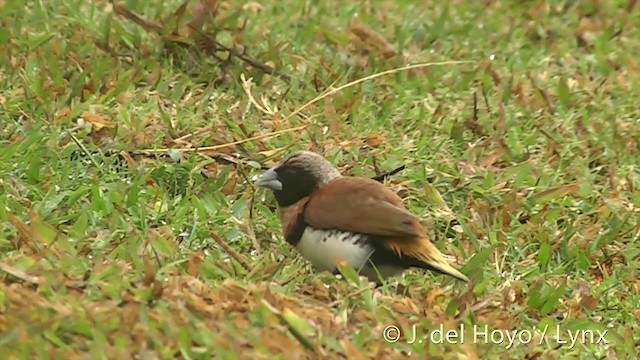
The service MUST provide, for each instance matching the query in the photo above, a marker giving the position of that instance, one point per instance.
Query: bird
(329, 217)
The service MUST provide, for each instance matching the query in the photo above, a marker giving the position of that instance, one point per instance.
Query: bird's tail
(442, 266)
(428, 256)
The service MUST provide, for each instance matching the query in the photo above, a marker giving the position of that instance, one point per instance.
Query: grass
(109, 250)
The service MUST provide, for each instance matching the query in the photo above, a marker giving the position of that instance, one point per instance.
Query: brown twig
(185, 138)
(20, 274)
(549, 136)
(375, 166)
(333, 90)
(128, 14)
(233, 52)
(329, 92)
(355, 293)
(486, 100)
(544, 93)
(475, 307)
(211, 50)
(221, 146)
(234, 254)
(475, 106)
(223, 158)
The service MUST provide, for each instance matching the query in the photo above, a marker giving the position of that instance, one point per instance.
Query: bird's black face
(296, 177)
(297, 182)
(289, 182)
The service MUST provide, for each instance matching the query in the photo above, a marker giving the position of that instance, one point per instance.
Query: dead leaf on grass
(20, 274)
(488, 160)
(588, 30)
(554, 193)
(367, 39)
(99, 121)
(375, 139)
(583, 296)
(331, 115)
(63, 114)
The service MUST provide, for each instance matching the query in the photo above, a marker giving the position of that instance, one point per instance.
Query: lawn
(129, 133)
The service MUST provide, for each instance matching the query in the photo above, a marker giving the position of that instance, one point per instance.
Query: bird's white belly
(322, 247)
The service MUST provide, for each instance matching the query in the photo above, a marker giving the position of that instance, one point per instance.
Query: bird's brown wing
(361, 205)
(366, 206)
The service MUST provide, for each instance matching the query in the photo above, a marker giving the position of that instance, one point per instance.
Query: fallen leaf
(97, 120)
(583, 296)
(490, 159)
(149, 271)
(63, 114)
(229, 186)
(20, 274)
(553, 193)
(272, 152)
(25, 234)
(130, 161)
(200, 11)
(369, 39)
(351, 350)
(375, 139)
(331, 115)
(193, 264)
(588, 29)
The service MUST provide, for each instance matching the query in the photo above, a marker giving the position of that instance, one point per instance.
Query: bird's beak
(269, 179)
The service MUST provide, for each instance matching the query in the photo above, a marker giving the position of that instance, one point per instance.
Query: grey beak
(269, 179)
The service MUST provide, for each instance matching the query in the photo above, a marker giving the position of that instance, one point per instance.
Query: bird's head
(297, 176)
